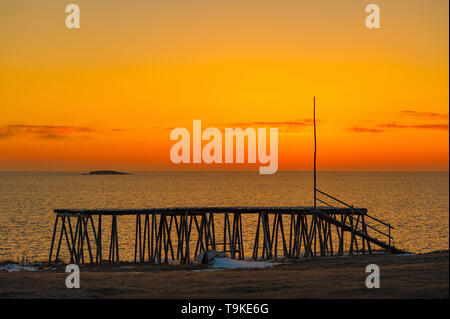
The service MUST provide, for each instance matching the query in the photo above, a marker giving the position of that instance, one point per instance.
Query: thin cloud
(304, 122)
(415, 126)
(365, 130)
(52, 137)
(380, 128)
(430, 115)
(50, 132)
(427, 121)
(285, 126)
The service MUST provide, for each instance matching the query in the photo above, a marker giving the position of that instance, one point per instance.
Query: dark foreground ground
(408, 276)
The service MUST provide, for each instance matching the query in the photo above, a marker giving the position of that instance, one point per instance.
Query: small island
(107, 173)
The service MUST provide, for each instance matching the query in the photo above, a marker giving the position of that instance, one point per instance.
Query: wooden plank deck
(307, 210)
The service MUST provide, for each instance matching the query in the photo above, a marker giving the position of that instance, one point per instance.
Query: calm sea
(416, 204)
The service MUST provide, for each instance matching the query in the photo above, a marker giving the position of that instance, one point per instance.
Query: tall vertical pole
(315, 150)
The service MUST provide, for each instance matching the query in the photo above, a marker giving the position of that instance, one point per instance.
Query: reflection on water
(416, 204)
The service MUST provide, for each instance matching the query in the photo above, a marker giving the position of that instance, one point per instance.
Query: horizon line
(229, 171)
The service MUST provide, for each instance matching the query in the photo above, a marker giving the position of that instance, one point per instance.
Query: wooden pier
(179, 234)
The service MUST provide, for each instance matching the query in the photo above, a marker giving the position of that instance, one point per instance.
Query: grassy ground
(407, 276)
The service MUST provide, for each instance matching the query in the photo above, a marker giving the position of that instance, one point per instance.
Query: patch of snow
(233, 263)
(15, 267)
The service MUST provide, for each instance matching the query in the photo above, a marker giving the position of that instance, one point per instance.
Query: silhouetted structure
(177, 233)
(180, 233)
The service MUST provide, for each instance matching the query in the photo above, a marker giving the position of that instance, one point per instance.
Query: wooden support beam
(256, 243)
(53, 238)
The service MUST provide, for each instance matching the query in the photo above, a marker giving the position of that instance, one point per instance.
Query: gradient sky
(106, 96)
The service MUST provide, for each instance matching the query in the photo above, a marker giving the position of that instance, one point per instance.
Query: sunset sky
(107, 95)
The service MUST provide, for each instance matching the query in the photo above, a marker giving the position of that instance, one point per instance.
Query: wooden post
(136, 237)
(256, 244)
(99, 236)
(225, 215)
(266, 232)
(241, 241)
(315, 151)
(283, 238)
(89, 219)
(187, 237)
(60, 238)
(111, 242)
(53, 238)
(212, 230)
(153, 238)
(389, 227)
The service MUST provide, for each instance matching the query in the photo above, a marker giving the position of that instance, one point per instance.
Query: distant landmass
(107, 173)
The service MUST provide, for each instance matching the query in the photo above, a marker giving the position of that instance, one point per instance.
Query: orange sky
(105, 96)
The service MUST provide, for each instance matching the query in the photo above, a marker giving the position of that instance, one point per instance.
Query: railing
(355, 226)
